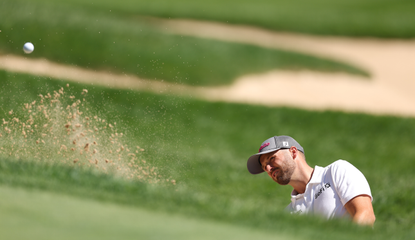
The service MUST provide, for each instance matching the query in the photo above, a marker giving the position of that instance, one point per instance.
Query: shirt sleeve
(349, 181)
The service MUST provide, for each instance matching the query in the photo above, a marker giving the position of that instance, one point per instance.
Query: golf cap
(271, 145)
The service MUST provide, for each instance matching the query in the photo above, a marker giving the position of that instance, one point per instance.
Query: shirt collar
(315, 179)
(317, 174)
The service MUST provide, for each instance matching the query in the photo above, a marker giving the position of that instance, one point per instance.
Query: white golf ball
(28, 47)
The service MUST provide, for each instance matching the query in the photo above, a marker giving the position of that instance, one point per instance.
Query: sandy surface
(388, 92)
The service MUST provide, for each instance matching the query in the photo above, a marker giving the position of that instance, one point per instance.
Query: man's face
(279, 165)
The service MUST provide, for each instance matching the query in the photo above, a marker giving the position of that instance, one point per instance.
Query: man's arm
(361, 210)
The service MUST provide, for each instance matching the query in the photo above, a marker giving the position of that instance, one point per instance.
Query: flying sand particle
(51, 116)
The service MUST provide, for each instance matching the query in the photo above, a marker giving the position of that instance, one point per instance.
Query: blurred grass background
(204, 146)
(373, 18)
(103, 40)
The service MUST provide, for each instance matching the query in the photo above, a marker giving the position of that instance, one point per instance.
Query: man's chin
(282, 181)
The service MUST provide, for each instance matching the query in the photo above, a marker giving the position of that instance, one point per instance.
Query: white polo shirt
(329, 189)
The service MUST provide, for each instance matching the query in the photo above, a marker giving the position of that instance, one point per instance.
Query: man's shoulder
(321, 172)
(341, 168)
(340, 163)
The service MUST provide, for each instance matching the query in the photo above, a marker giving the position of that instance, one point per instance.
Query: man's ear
(294, 152)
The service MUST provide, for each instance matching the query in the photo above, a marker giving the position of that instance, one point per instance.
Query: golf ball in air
(28, 47)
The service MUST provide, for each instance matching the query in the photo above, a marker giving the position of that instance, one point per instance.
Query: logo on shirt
(325, 186)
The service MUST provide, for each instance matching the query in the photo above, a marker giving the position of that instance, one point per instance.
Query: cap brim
(253, 162)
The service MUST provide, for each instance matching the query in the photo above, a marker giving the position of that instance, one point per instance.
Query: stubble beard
(284, 177)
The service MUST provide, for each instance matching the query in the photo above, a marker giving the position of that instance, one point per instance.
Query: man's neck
(300, 184)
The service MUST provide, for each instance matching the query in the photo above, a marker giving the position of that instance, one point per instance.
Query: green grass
(204, 147)
(63, 217)
(94, 39)
(378, 18)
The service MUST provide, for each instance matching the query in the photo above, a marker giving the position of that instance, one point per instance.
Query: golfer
(338, 190)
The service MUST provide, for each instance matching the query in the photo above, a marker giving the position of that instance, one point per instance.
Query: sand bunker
(387, 92)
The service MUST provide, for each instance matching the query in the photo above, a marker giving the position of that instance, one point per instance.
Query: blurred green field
(377, 18)
(64, 217)
(204, 147)
(112, 41)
